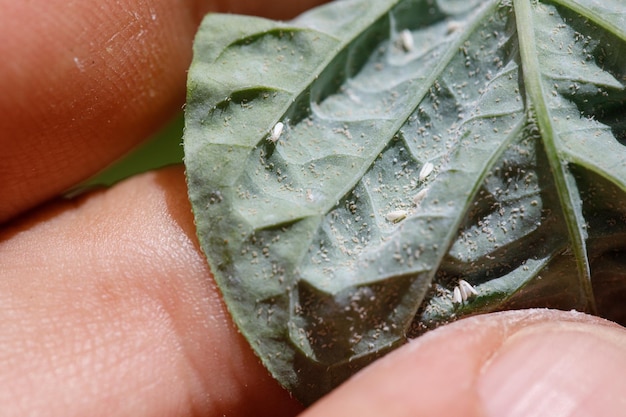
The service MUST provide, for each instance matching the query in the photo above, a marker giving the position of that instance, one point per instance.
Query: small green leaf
(352, 170)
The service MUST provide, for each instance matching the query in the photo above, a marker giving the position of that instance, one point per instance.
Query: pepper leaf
(352, 170)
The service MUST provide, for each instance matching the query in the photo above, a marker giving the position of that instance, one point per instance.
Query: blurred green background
(164, 148)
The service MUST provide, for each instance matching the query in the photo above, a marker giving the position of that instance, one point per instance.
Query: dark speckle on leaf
(374, 169)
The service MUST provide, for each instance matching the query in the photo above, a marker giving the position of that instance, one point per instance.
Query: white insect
(417, 199)
(277, 130)
(463, 292)
(396, 216)
(467, 290)
(426, 170)
(456, 296)
(406, 40)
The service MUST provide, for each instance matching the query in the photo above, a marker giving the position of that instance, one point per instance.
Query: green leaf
(423, 143)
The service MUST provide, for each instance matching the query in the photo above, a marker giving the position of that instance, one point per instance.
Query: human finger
(85, 81)
(108, 308)
(510, 364)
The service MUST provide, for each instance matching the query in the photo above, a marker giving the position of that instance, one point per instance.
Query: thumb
(558, 369)
(517, 363)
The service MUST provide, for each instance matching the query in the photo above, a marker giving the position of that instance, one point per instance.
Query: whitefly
(426, 170)
(396, 216)
(463, 291)
(276, 131)
(406, 40)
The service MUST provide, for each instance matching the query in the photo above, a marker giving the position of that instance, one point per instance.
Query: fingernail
(557, 370)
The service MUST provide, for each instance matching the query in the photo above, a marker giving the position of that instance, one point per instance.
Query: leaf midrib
(538, 109)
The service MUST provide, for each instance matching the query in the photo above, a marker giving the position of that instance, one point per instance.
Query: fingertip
(84, 82)
(480, 367)
(557, 369)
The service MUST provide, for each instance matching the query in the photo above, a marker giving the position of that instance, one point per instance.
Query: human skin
(107, 306)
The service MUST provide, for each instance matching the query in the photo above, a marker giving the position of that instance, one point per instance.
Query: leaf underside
(424, 142)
